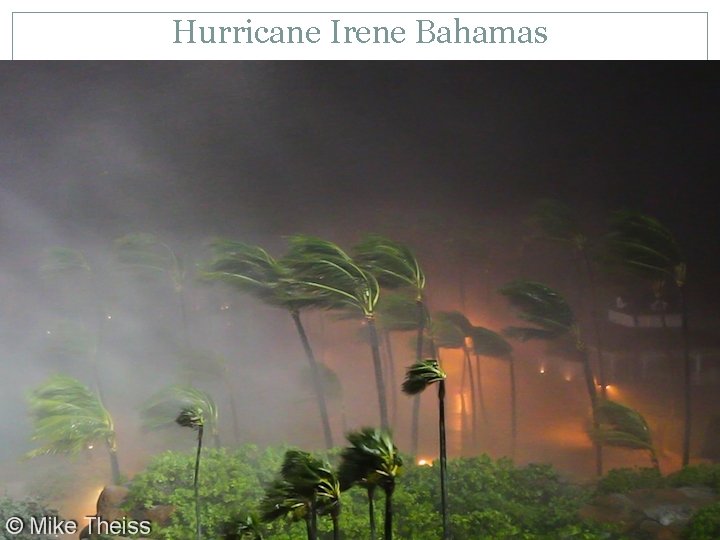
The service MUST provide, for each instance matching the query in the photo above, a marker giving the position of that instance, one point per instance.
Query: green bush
(488, 499)
(705, 524)
(624, 480)
(24, 509)
(704, 474)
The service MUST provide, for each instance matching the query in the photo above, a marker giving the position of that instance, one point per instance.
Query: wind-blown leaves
(146, 254)
(67, 417)
(445, 331)
(644, 247)
(62, 260)
(556, 221)
(163, 408)
(541, 306)
(621, 426)
(489, 343)
(371, 458)
(392, 263)
(422, 374)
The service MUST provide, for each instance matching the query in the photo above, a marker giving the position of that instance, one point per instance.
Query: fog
(445, 157)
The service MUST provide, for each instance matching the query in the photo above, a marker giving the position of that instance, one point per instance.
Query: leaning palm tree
(553, 319)
(323, 271)
(247, 527)
(395, 266)
(372, 461)
(194, 417)
(160, 410)
(488, 343)
(147, 255)
(646, 248)
(623, 427)
(556, 222)
(306, 487)
(68, 417)
(252, 270)
(419, 376)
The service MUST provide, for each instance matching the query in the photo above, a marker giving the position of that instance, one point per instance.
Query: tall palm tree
(395, 266)
(160, 410)
(146, 254)
(325, 272)
(646, 248)
(305, 488)
(372, 460)
(623, 427)
(252, 270)
(545, 308)
(68, 417)
(418, 377)
(488, 343)
(556, 222)
(194, 417)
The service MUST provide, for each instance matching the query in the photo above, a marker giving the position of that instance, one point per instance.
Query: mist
(447, 158)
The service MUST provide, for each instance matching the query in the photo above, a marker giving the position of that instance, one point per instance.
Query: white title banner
(359, 35)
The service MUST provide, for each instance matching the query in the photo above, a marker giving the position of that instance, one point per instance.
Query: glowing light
(90, 446)
(224, 307)
(422, 462)
(109, 317)
(48, 332)
(568, 378)
(542, 370)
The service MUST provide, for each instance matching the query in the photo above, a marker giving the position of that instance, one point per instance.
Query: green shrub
(704, 474)
(705, 524)
(24, 509)
(624, 480)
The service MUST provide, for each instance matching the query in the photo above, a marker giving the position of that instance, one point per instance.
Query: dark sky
(331, 148)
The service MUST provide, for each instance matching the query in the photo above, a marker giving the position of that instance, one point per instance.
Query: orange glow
(542, 370)
(568, 377)
(425, 462)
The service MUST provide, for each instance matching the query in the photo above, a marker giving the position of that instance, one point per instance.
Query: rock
(110, 501)
(160, 514)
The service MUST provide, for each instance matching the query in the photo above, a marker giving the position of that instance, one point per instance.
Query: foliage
(628, 479)
(448, 329)
(705, 524)
(621, 426)
(420, 375)
(67, 417)
(540, 305)
(392, 263)
(162, 409)
(145, 254)
(555, 221)
(24, 509)
(703, 474)
(489, 343)
(371, 458)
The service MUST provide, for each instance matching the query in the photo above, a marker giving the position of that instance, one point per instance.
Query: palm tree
(646, 248)
(326, 273)
(395, 266)
(623, 427)
(68, 417)
(553, 319)
(488, 343)
(419, 376)
(248, 527)
(306, 487)
(160, 410)
(556, 222)
(372, 460)
(194, 417)
(252, 270)
(146, 254)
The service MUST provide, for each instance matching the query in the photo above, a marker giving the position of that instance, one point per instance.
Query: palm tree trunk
(473, 397)
(688, 379)
(443, 461)
(415, 429)
(592, 394)
(513, 407)
(308, 528)
(463, 407)
(480, 392)
(390, 365)
(654, 460)
(379, 381)
(313, 522)
(317, 383)
(596, 325)
(114, 466)
(336, 524)
(388, 512)
(198, 526)
(371, 511)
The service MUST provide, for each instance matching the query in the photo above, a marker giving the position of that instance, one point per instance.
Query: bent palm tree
(306, 487)
(193, 417)
(372, 460)
(488, 343)
(68, 418)
(252, 270)
(646, 248)
(160, 411)
(556, 222)
(553, 319)
(146, 254)
(395, 266)
(623, 427)
(326, 273)
(246, 527)
(419, 376)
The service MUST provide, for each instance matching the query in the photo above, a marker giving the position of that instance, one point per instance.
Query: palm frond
(620, 425)
(167, 406)
(422, 374)
(489, 343)
(371, 458)
(540, 305)
(60, 260)
(445, 331)
(67, 417)
(392, 263)
(555, 221)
